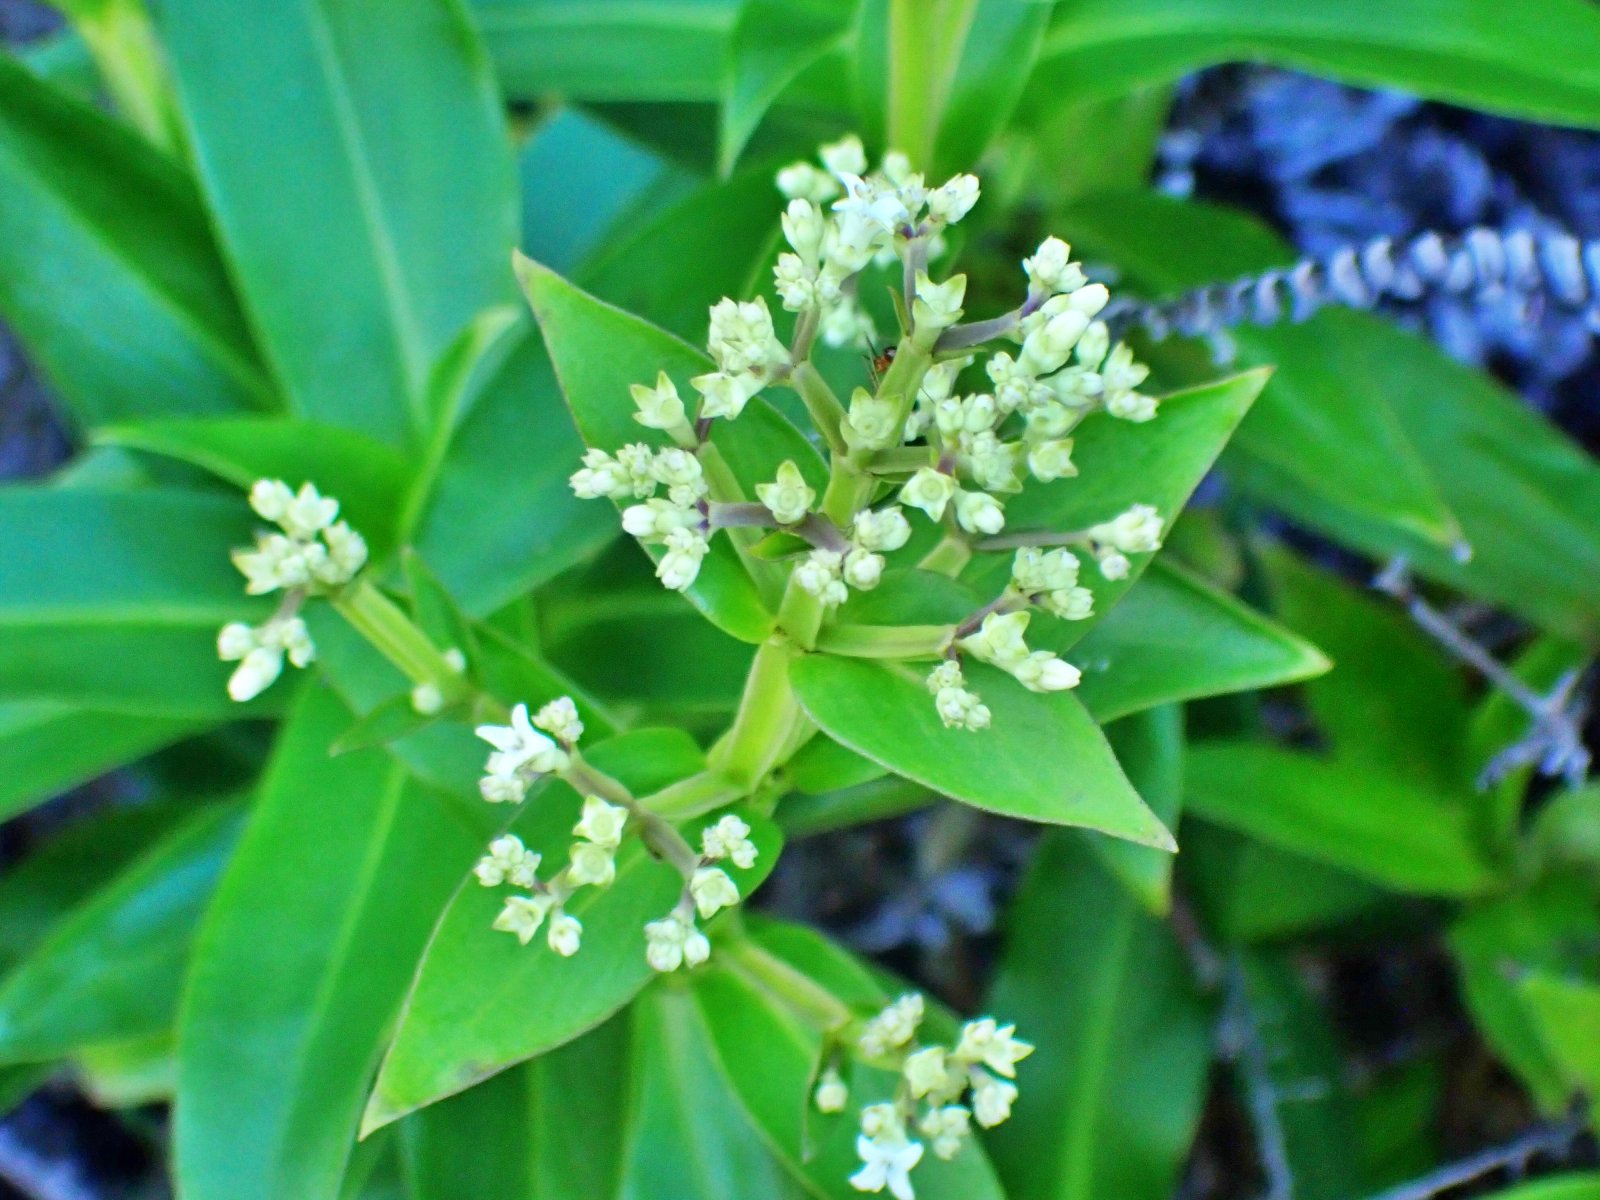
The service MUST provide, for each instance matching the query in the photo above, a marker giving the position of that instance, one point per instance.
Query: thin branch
(1239, 1041)
(1553, 1140)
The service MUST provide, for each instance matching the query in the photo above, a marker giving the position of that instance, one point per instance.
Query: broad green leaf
(1393, 701)
(756, 999)
(302, 962)
(1111, 1098)
(1566, 1012)
(48, 747)
(1366, 821)
(1043, 759)
(112, 600)
(608, 49)
(356, 164)
(366, 476)
(1149, 745)
(111, 970)
(685, 1125)
(1552, 927)
(1524, 496)
(108, 271)
(803, 815)
(823, 765)
(772, 42)
(549, 1129)
(598, 352)
(1327, 393)
(1175, 637)
(1121, 464)
(1541, 67)
(477, 1003)
(1576, 1185)
(1002, 40)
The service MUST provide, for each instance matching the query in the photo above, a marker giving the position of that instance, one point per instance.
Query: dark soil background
(1325, 164)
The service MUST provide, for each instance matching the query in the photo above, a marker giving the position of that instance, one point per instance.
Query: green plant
(285, 258)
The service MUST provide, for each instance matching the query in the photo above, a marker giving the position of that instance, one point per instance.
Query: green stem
(800, 615)
(949, 556)
(724, 487)
(826, 411)
(394, 635)
(886, 641)
(692, 796)
(767, 714)
(795, 990)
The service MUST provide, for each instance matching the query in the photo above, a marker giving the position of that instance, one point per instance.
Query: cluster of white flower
(309, 554)
(522, 753)
(1136, 531)
(829, 574)
(675, 941)
(941, 1091)
(873, 217)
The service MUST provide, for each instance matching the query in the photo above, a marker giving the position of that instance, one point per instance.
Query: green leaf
(884, 712)
(1368, 822)
(1541, 67)
(1149, 745)
(1566, 1012)
(755, 998)
(685, 1124)
(1121, 464)
(49, 747)
(1576, 1185)
(366, 476)
(549, 1129)
(108, 271)
(361, 147)
(302, 962)
(1328, 392)
(129, 1074)
(773, 41)
(112, 600)
(476, 1005)
(1175, 637)
(112, 969)
(608, 49)
(599, 351)
(1111, 1098)
(1003, 38)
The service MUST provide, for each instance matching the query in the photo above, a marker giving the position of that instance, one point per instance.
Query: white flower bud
(795, 283)
(309, 513)
(560, 720)
(820, 575)
(508, 860)
(845, 157)
(954, 199)
(883, 529)
(870, 423)
(804, 227)
(1114, 566)
(790, 498)
(999, 639)
(681, 563)
(1049, 346)
(930, 490)
(1014, 385)
(255, 673)
(673, 942)
(1035, 570)
(945, 676)
(347, 554)
(979, 512)
(235, 640)
(802, 181)
(936, 307)
(502, 789)
(601, 823)
(724, 395)
(601, 475)
(1132, 406)
(659, 407)
(1051, 460)
(991, 1099)
(729, 838)
(712, 891)
(271, 498)
(863, 569)
(1090, 299)
(1135, 531)
(677, 467)
(1092, 346)
(1070, 604)
(961, 709)
(592, 864)
(1042, 671)
(926, 1072)
(656, 518)
(831, 1095)
(426, 699)
(566, 934)
(742, 338)
(637, 461)
(522, 916)
(1120, 372)
(1050, 269)
(946, 1128)
(895, 1026)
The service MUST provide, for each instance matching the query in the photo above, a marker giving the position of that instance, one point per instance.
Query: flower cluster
(522, 753)
(675, 941)
(309, 554)
(941, 1091)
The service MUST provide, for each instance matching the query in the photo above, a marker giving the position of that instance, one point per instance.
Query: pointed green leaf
(1111, 1098)
(302, 962)
(773, 41)
(1149, 745)
(1002, 40)
(356, 164)
(108, 270)
(1043, 759)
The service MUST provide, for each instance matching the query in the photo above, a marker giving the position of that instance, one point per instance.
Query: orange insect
(879, 363)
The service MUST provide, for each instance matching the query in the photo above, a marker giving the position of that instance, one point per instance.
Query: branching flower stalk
(917, 439)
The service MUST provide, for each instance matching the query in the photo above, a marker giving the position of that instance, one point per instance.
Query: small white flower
(601, 475)
(560, 720)
(927, 1072)
(566, 934)
(519, 746)
(1051, 460)
(870, 423)
(1070, 604)
(999, 639)
(994, 1045)
(309, 513)
(1036, 570)
(502, 789)
(804, 227)
(953, 200)
(676, 468)
(426, 699)
(961, 709)
(946, 675)
(789, 498)
(522, 916)
(802, 181)
(1136, 531)
(1120, 372)
(681, 563)
(1048, 347)
(946, 1128)
(1050, 269)
(930, 490)
(862, 569)
(637, 461)
(887, 1162)
(979, 512)
(881, 205)
(602, 823)
(991, 1099)
(235, 640)
(1043, 671)
(271, 498)
(1050, 420)
(937, 306)
(742, 337)
(819, 573)
(831, 1095)
(1114, 566)
(592, 864)
(657, 518)
(845, 157)
(1132, 406)
(883, 529)
(673, 942)
(508, 860)
(1014, 385)
(712, 891)
(660, 407)
(725, 395)
(347, 554)
(894, 1026)
(256, 672)
(1093, 346)
(795, 283)
(729, 838)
